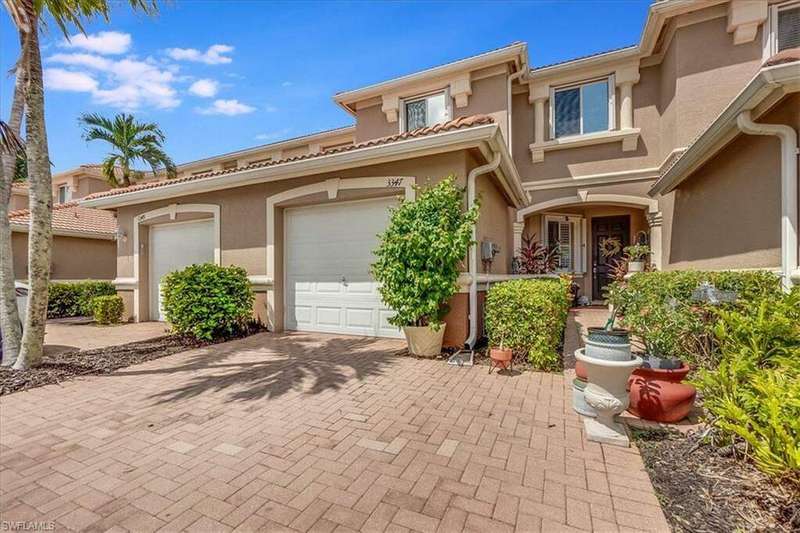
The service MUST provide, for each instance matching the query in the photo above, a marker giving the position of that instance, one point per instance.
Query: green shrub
(754, 393)
(75, 299)
(108, 309)
(420, 254)
(529, 316)
(207, 301)
(658, 309)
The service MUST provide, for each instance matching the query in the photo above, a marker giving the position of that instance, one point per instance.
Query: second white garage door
(173, 247)
(328, 252)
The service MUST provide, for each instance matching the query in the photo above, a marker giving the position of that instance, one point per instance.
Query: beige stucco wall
(73, 258)
(727, 214)
(673, 102)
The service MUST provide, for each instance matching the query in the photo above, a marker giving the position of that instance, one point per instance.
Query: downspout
(789, 151)
(511, 79)
(473, 250)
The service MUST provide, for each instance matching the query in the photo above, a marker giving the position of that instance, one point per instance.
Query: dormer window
(64, 194)
(425, 111)
(782, 30)
(582, 108)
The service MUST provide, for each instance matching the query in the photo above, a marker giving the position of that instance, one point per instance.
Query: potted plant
(608, 342)
(657, 391)
(418, 261)
(638, 255)
(501, 357)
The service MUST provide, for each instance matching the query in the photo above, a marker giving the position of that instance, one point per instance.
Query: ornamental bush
(108, 309)
(420, 253)
(658, 309)
(753, 396)
(75, 299)
(207, 301)
(529, 316)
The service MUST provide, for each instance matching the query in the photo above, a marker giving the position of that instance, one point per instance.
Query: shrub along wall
(529, 316)
(658, 308)
(75, 299)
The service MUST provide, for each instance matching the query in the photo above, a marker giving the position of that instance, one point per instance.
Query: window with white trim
(425, 111)
(566, 234)
(578, 109)
(782, 30)
(64, 194)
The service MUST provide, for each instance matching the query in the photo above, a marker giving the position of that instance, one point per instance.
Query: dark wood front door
(608, 233)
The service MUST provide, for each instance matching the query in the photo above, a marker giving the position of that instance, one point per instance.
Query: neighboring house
(640, 143)
(84, 244)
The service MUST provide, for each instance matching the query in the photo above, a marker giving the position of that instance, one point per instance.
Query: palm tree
(131, 141)
(27, 16)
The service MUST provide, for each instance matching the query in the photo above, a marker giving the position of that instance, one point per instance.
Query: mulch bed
(706, 488)
(64, 366)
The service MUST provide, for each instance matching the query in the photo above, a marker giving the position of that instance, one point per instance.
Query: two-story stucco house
(683, 141)
(83, 238)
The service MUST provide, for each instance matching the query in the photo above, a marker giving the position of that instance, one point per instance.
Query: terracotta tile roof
(456, 124)
(73, 218)
(785, 56)
(19, 186)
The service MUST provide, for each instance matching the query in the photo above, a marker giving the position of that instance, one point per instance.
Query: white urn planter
(607, 394)
(424, 341)
(635, 266)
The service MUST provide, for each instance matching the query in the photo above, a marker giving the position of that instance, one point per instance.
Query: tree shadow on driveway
(270, 365)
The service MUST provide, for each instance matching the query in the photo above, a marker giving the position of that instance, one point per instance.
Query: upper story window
(782, 30)
(584, 108)
(425, 111)
(64, 194)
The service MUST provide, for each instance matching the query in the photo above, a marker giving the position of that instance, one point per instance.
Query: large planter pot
(657, 394)
(424, 341)
(579, 400)
(611, 345)
(606, 393)
(501, 358)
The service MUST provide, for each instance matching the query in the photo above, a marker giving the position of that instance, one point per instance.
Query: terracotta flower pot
(501, 358)
(659, 395)
(580, 371)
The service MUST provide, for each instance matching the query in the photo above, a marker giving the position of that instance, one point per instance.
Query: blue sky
(219, 76)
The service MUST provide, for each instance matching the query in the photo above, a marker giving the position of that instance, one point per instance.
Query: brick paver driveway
(312, 432)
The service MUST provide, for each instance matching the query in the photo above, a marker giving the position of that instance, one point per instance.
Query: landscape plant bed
(64, 366)
(705, 488)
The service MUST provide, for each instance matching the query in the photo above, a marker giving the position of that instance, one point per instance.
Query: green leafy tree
(130, 141)
(420, 254)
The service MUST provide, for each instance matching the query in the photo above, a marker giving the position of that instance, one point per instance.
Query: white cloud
(125, 83)
(287, 84)
(227, 107)
(205, 88)
(105, 42)
(215, 55)
(275, 135)
(59, 79)
(270, 108)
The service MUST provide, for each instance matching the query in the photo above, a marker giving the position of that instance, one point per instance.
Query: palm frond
(10, 143)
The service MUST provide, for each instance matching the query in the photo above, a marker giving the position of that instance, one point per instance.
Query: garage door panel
(328, 253)
(174, 247)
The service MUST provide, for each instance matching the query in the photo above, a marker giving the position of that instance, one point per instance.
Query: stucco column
(519, 227)
(626, 105)
(538, 120)
(654, 221)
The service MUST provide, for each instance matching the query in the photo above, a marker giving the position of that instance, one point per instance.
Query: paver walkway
(299, 432)
(63, 335)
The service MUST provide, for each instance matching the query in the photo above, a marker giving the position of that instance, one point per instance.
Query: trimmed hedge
(658, 309)
(75, 299)
(529, 316)
(207, 301)
(108, 309)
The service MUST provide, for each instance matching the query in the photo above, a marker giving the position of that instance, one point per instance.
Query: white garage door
(173, 247)
(328, 251)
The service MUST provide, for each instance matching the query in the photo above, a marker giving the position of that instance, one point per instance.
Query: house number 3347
(394, 182)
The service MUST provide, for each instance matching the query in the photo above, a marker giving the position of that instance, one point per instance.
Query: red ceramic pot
(580, 371)
(501, 357)
(659, 395)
